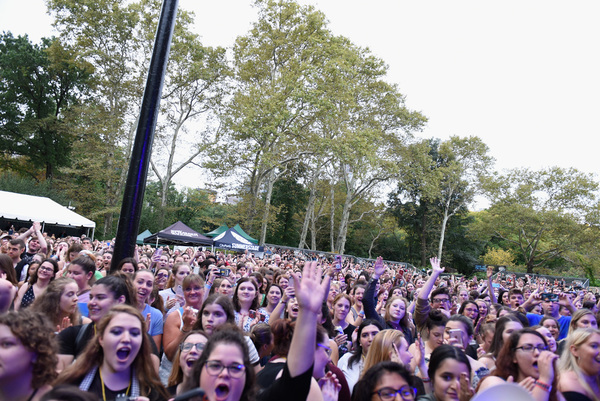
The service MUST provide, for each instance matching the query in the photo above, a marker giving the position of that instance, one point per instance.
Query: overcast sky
(522, 75)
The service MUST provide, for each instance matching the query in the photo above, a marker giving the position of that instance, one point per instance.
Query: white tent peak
(14, 206)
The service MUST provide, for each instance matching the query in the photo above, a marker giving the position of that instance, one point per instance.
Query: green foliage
(38, 86)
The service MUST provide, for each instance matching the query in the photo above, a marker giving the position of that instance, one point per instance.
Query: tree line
(296, 124)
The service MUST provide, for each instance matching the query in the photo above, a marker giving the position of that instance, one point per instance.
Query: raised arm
(310, 293)
(489, 273)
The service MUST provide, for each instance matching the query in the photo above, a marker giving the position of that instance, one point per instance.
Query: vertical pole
(133, 196)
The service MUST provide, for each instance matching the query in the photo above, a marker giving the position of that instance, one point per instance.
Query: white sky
(522, 75)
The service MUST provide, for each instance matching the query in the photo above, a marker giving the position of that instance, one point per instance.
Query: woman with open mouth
(118, 362)
(143, 283)
(59, 304)
(188, 353)
(181, 320)
(580, 366)
(245, 303)
(27, 356)
(525, 358)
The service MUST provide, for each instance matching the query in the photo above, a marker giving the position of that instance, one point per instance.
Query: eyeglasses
(440, 300)
(326, 348)
(388, 394)
(45, 268)
(214, 368)
(530, 347)
(185, 347)
(162, 275)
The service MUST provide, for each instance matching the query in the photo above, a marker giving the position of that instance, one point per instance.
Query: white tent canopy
(22, 207)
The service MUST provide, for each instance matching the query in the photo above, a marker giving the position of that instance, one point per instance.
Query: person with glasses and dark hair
(384, 382)
(525, 359)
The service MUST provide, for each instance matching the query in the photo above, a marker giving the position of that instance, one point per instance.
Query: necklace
(103, 388)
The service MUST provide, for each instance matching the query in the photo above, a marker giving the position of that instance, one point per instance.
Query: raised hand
(435, 265)
(310, 289)
(378, 268)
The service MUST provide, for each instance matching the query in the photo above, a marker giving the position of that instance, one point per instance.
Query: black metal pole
(133, 196)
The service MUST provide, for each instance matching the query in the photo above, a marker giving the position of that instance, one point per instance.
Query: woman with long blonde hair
(579, 367)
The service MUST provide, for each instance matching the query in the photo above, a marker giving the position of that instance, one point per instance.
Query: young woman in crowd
(470, 309)
(384, 382)
(262, 338)
(272, 298)
(357, 314)
(552, 325)
(161, 278)
(188, 352)
(352, 363)
(245, 299)
(552, 345)
(59, 304)
(128, 266)
(82, 270)
(143, 283)
(118, 360)
(216, 311)
(7, 271)
(463, 326)
(181, 321)
(27, 356)
(37, 284)
(173, 295)
(582, 319)
(579, 366)
(449, 371)
(341, 308)
(524, 359)
(505, 326)
(433, 332)
(390, 345)
(105, 293)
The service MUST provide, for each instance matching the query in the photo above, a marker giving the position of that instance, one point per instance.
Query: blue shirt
(563, 323)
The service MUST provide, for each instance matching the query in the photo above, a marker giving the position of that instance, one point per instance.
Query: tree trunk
(423, 235)
(343, 227)
(309, 209)
(265, 220)
(332, 219)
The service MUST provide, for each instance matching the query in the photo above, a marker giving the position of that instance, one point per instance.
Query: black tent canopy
(178, 234)
(233, 240)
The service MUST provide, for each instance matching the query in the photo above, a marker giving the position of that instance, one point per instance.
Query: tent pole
(135, 186)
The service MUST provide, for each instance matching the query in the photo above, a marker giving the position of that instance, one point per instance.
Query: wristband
(426, 380)
(543, 386)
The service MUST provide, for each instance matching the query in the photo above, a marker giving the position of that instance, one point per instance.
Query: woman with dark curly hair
(117, 361)
(37, 284)
(27, 356)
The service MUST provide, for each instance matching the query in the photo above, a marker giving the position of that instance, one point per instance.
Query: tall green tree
(543, 216)
(39, 84)
(444, 176)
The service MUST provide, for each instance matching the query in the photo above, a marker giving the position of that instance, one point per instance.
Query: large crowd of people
(199, 324)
